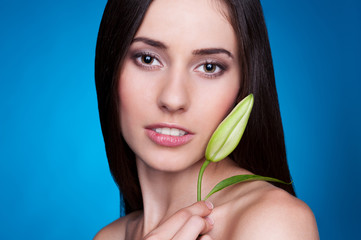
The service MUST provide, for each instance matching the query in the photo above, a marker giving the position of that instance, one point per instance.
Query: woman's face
(179, 80)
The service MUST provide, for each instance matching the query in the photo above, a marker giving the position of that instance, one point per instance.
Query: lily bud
(229, 132)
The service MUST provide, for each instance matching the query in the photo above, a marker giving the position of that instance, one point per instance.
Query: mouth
(170, 131)
(168, 135)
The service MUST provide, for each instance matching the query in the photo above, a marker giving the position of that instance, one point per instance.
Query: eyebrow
(204, 51)
(150, 42)
(209, 51)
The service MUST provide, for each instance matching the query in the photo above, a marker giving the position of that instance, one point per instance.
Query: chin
(169, 162)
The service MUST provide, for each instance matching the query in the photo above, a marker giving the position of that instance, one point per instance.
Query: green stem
(200, 176)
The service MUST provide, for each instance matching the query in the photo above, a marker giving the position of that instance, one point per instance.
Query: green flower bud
(229, 132)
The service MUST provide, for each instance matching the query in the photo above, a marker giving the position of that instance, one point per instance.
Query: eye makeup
(211, 69)
(206, 63)
(146, 60)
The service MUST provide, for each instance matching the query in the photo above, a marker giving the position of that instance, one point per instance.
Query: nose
(174, 93)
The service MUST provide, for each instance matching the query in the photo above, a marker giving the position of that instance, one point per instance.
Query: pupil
(209, 67)
(147, 59)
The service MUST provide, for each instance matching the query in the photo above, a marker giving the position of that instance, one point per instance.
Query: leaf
(240, 178)
(229, 132)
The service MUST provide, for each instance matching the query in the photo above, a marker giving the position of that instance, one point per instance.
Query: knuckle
(184, 214)
(197, 221)
(202, 209)
(200, 204)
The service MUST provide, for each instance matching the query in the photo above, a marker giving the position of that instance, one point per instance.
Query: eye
(147, 60)
(210, 69)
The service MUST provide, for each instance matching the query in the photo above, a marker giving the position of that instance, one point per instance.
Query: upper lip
(168, 125)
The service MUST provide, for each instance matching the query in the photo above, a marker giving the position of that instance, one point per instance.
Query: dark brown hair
(262, 148)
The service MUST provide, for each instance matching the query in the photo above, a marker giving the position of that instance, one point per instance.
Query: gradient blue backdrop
(54, 178)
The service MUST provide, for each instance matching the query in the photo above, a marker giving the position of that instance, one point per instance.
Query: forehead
(201, 23)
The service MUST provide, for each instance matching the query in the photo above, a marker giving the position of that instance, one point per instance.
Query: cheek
(124, 108)
(128, 106)
(218, 105)
(135, 101)
(224, 105)
(128, 90)
(224, 97)
(130, 113)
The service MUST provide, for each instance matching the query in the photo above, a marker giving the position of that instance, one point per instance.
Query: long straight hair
(262, 148)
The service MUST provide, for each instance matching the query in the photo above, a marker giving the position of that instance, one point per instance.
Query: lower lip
(168, 140)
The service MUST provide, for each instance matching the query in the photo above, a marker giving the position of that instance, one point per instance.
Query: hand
(186, 224)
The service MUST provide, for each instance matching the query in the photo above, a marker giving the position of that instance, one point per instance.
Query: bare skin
(164, 82)
(253, 210)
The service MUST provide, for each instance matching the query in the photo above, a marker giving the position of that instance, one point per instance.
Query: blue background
(54, 178)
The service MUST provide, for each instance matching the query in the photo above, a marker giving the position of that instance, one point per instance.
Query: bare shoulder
(117, 229)
(275, 214)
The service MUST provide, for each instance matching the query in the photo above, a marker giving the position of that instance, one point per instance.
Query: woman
(167, 73)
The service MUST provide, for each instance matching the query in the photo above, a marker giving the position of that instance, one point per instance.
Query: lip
(167, 140)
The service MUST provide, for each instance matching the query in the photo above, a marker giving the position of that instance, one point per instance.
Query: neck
(164, 193)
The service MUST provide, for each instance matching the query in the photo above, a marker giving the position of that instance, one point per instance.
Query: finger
(201, 208)
(205, 237)
(194, 227)
(172, 225)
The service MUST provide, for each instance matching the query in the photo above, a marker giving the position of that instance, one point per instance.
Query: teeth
(170, 131)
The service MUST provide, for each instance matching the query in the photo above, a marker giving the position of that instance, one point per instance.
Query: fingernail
(209, 220)
(209, 205)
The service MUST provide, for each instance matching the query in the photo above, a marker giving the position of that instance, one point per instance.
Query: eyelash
(221, 69)
(138, 61)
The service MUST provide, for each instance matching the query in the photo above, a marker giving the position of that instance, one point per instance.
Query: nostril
(173, 102)
(171, 108)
